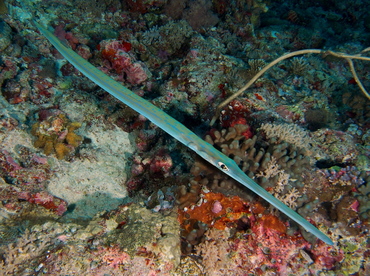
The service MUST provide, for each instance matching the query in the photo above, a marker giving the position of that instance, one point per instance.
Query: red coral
(134, 184)
(64, 36)
(235, 113)
(116, 52)
(46, 200)
(161, 163)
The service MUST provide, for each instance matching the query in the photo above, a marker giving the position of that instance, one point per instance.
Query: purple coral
(344, 176)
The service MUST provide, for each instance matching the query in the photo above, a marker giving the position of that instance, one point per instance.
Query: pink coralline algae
(113, 256)
(31, 175)
(64, 36)
(28, 176)
(161, 163)
(123, 62)
(278, 252)
(46, 200)
(156, 166)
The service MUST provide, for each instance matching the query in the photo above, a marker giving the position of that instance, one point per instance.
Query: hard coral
(117, 53)
(56, 134)
(257, 158)
(253, 155)
(168, 39)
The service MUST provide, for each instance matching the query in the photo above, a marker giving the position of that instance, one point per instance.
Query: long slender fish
(175, 129)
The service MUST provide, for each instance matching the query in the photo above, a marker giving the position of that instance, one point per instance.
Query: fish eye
(223, 166)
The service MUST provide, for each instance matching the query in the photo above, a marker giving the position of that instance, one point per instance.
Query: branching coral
(254, 155)
(290, 133)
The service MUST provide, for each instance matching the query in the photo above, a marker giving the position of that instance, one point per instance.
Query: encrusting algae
(57, 135)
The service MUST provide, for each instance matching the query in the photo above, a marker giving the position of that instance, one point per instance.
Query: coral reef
(156, 168)
(56, 247)
(258, 242)
(131, 200)
(23, 176)
(277, 166)
(56, 134)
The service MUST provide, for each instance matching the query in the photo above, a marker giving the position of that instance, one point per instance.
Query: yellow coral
(73, 126)
(48, 147)
(61, 150)
(56, 135)
(40, 142)
(73, 139)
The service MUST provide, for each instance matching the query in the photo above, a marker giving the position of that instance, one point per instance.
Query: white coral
(272, 170)
(290, 133)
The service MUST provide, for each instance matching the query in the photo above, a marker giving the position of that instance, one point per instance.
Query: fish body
(175, 129)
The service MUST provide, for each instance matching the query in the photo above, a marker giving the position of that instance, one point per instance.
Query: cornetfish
(175, 129)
